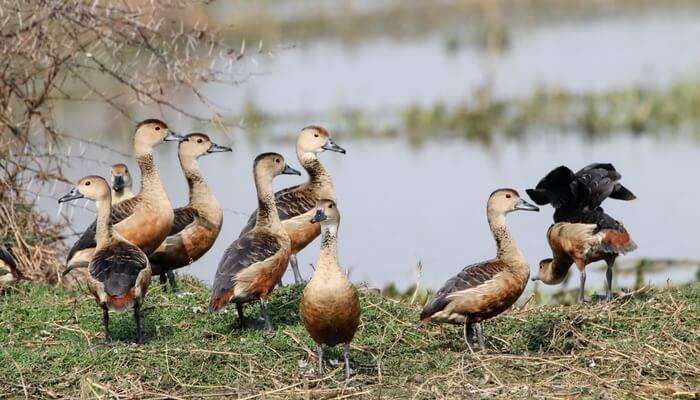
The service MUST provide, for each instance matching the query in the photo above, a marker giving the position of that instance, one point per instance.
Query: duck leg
(469, 336)
(137, 319)
(608, 280)
(479, 327)
(582, 287)
(346, 356)
(171, 279)
(295, 269)
(241, 316)
(319, 352)
(163, 279)
(266, 317)
(105, 320)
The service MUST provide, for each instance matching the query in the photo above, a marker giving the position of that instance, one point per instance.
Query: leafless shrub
(126, 55)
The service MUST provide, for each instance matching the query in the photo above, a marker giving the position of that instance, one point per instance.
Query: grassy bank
(645, 346)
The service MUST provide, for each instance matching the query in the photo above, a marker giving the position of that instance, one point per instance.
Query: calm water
(319, 77)
(401, 205)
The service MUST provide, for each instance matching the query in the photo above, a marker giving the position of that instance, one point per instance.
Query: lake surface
(401, 204)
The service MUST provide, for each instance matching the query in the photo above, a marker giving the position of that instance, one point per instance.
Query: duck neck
(267, 209)
(104, 231)
(200, 194)
(121, 194)
(505, 246)
(318, 176)
(328, 255)
(150, 180)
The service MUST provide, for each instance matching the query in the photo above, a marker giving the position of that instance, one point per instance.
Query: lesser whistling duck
(145, 219)
(484, 290)
(118, 274)
(256, 261)
(295, 204)
(582, 233)
(121, 183)
(329, 305)
(8, 263)
(197, 225)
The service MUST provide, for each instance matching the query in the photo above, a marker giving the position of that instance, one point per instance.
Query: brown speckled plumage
(254, 263)
(145, 219)
(483, 290)
(197, 225)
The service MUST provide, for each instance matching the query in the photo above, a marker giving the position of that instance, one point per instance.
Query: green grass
(52, 345)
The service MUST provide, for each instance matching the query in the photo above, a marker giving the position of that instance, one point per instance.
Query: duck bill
(332, 146)
(320, 216)
(523, 205)
(118, 183)
(74, 194)
(173, 137)
(216, 148)
(290, 171)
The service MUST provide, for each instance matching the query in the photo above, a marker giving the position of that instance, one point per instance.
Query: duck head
(547, 273)
(315, 139)
(272, 164)
(152, 132)
(121, 178)
(326, 213)
(91, 187)
(504, 201)
(198, 144)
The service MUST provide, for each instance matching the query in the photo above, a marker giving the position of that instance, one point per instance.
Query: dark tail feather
(622, 193)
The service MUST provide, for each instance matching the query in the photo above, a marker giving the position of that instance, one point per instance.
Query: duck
(8, 263)
(145, 219)
(484, 290)
(121, 183)
(582, 232)
(253, 264)
(196, 225)
(296, 204)
(330, 308)
(118, 274)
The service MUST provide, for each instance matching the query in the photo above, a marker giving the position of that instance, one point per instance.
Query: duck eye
(87, 183)
(508, 196)
(199, 140)
(330, 206)
(157, 128)
(315, 134)
(277, 160)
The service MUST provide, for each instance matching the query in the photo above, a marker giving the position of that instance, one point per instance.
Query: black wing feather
(242, 253)
(6, 256)
(554, 188)
(118, 267)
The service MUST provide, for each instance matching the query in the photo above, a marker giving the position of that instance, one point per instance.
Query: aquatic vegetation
(597, 115)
